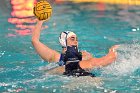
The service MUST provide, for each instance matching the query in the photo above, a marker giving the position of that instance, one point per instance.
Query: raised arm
(99, 62)
(44, 51)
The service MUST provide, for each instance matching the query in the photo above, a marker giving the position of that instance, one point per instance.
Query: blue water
(22, 70)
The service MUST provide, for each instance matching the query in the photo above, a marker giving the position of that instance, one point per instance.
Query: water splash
(127, 62)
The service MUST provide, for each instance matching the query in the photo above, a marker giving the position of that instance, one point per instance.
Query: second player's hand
(86, 55)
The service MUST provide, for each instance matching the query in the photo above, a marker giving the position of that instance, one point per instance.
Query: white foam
(127, 62)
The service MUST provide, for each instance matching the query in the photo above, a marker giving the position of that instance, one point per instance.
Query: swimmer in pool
(74, 62)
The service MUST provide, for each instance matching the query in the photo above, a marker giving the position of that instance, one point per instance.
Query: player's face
(72, 41)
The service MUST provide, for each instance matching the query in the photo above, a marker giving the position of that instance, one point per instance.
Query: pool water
(98, 27)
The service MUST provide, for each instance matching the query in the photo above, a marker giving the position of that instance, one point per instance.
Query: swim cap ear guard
(64, 36)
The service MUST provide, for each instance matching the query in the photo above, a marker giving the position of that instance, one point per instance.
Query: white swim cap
(64, 36)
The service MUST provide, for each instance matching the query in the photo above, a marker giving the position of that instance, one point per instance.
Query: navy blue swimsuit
(71, 61)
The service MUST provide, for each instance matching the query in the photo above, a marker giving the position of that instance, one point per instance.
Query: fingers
(115, 53)
(116, 46)
(113, 48)
(86, 55)
(42, 20)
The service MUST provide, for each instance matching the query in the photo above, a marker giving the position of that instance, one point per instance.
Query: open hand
(112, 51)
(86, 55)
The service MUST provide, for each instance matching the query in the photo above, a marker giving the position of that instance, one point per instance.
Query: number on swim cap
(42, 10)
